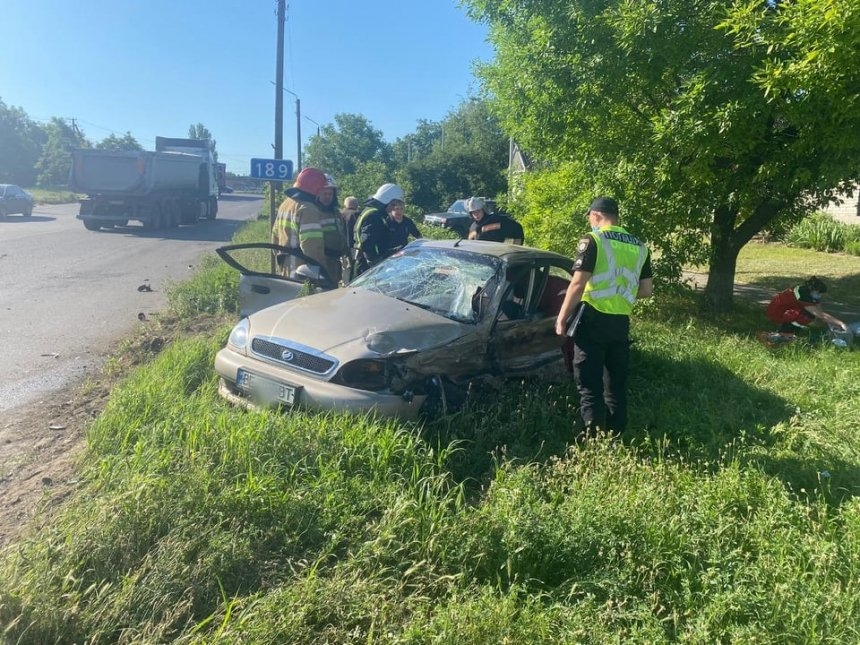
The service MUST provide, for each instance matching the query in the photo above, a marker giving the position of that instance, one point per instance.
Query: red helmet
(311, 181)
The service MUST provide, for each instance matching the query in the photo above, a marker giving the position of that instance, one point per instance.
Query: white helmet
(388, 192)
(475, 204)
(329, 181)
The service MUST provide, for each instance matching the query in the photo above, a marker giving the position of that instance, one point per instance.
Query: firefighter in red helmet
(299, 224)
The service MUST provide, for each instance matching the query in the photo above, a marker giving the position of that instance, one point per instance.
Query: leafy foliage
(21, 141)
(708, 121)
(468, 157)
(55, 162)
(125, 142)
(342, 147)
(200, 131)
(822, 233)
(463, 155)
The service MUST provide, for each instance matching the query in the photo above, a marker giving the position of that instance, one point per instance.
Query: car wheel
(2, 212)
(443, 397)
(91, 225)
(28, 212)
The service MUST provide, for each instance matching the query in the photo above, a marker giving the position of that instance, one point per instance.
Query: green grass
(53, 195)
(776, 266)
(728, 513)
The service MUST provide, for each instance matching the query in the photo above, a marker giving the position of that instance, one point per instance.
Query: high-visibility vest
(614, 284)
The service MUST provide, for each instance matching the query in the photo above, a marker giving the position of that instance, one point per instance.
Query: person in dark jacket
(372, 238)
(400, 228)
(492, 227)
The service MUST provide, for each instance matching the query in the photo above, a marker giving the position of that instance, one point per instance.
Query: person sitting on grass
(796, 308)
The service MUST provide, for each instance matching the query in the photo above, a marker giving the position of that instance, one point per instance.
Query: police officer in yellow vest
(612, 269)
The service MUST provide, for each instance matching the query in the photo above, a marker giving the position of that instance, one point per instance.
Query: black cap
(605, 205)
(816, 284)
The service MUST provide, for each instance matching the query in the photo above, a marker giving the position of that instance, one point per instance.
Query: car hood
(346, 323)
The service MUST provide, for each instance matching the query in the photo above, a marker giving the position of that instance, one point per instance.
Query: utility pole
(298, 134)
(279, 114)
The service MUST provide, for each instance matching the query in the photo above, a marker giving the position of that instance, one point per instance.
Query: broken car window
(443, 281)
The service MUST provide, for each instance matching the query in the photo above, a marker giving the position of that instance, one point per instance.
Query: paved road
(67, 294)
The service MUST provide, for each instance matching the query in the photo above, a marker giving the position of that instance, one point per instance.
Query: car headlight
(240, 334)
(364, 374)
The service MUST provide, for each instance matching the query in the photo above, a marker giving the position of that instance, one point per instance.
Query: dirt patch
(41, 444)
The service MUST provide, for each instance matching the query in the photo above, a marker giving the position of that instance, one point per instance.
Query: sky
(155, 67)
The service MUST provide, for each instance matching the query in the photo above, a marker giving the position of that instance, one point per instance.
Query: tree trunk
(727, 242)
(719, 291)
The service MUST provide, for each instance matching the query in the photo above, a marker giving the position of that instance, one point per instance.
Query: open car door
(523, 336)
(259, 287)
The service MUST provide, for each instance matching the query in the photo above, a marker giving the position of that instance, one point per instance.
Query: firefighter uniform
(300, 225)
(372, 238)
(601, 341)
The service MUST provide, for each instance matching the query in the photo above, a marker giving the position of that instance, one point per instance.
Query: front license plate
(264, 389)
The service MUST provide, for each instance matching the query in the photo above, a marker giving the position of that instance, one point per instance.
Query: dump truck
(203, 149)
(160, 189)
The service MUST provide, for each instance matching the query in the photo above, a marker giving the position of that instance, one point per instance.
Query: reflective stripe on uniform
(615, 283)
(624, 287)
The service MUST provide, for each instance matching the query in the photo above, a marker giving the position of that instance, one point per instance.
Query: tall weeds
(822, 233)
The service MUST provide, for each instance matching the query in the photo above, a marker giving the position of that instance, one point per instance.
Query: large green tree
(419, 144)
(341, 148)
(55, 160)
(465, 154)
(711, 121)
(125, 142)
(21, 142)
(200, 131)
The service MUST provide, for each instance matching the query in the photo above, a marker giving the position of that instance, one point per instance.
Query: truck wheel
(153, 221)
(172, 214)
(91, 225)
(213, 209)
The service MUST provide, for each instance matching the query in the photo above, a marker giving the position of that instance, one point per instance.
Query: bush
(821, 232)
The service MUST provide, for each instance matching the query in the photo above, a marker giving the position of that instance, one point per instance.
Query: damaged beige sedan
(406, 338)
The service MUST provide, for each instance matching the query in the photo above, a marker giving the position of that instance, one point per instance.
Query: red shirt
(789, 306)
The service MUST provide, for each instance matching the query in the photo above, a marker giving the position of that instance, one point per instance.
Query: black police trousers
(601, 357)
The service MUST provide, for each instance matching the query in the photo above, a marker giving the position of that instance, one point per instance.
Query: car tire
(28, 212)
(443, 397)
(91, 225)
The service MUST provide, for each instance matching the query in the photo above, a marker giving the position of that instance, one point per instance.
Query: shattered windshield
(443, 281)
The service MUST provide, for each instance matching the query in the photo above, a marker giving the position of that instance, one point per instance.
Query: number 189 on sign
(272, 169)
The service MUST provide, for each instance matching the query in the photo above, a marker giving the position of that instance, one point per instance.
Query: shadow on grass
(694, 409)
(698, 406)
(842, 297)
